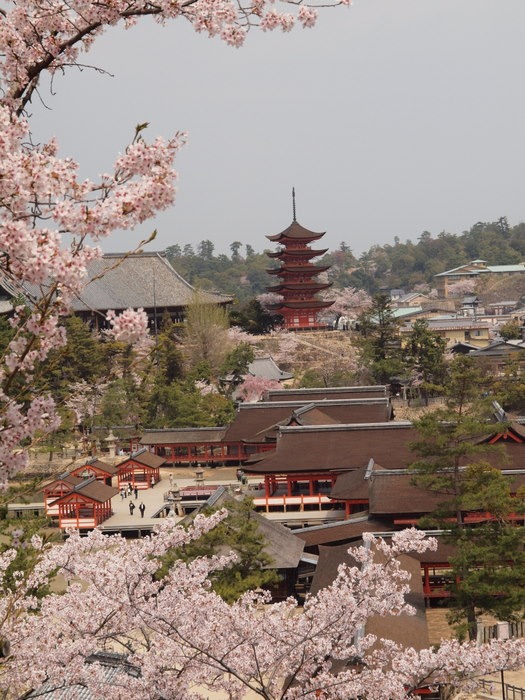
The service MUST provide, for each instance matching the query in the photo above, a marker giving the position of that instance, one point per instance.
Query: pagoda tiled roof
(296, 232)
(295, 304)
(308, 269)
(297, 252)
(298, 286)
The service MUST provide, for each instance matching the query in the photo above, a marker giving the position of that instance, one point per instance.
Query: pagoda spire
(293, 203)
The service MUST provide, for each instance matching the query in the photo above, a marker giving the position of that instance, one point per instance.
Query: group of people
(142, 508)
(125, 492)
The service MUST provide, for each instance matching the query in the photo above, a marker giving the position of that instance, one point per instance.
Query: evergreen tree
(424, 357)
(454, 461)
(238, 532)
(379, 344)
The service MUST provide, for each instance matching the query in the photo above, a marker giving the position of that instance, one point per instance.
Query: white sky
(390, 118)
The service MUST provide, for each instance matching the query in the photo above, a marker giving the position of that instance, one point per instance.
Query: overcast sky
(390, 117)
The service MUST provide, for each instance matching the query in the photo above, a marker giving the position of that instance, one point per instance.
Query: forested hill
(397, 265)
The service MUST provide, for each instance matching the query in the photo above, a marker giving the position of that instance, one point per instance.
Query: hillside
(392, 266)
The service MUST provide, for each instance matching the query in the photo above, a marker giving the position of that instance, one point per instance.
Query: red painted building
(299, 285)
(85, 506)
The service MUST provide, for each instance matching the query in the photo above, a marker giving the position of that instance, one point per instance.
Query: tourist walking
(131, 507)
(142, 508)
(136, 491)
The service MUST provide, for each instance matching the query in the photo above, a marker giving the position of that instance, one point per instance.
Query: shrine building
(299, 285)
(141, 470)
(85, 506)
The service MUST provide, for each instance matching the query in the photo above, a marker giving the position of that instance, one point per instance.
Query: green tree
(489, 559)
(424, 357)
(235, 248)
(509, 386)
(511, 330)
(236, 364)
(454, 462)
(379, 344)
(238, 532)
(206, 337)
(205, 249)
(82, 358)
(252, 318)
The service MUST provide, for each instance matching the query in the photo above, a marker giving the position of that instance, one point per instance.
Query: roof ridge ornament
(293, 203)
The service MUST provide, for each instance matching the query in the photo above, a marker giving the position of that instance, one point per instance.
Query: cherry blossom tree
(42, 197)
(461, 287)
(349, 302)
(252, 388)
(182, 640)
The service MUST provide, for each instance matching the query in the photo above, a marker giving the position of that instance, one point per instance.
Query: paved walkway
(154, 498)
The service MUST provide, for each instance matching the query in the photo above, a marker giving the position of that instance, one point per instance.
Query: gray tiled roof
(141, 280)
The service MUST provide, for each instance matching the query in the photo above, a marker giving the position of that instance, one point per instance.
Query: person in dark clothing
(142, 508)
(131, 507)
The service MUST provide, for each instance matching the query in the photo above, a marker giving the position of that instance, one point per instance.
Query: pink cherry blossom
(186, 642)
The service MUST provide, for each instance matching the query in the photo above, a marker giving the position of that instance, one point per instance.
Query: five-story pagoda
(298, 287)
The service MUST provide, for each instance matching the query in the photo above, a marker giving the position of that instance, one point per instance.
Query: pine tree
(380, 347)
(489, 562)
(238, 532)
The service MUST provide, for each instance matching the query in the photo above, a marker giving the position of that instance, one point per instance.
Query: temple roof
(352, 485)
(92, 488)
(258, 418)
(296, 232)
(338, 532)
(408, 630)
(140, 280)
(148, 459)
(174, 436)
(67, 479)
(322, 393)
(393, 493)
(97, 465)
(337, 448)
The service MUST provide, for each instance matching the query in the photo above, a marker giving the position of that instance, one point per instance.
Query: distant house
(457, 330)
(409, 300)
(473, 271)
(500, 352)
(119, 281)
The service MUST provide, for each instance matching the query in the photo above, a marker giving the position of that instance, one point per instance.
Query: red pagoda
(300, 305)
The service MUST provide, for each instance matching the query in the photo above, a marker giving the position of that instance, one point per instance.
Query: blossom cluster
(130, 326)
(184, 641)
